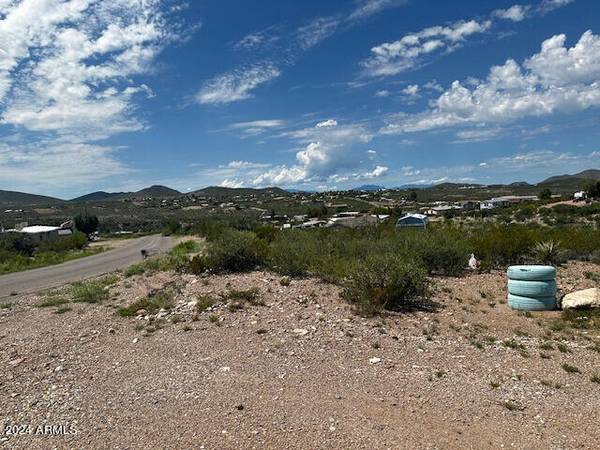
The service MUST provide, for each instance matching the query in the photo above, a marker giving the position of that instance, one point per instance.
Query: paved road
(79, 269)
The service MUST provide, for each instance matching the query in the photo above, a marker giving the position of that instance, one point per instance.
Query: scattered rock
(374, 360)
(135, 340)
(588, 298)
(239, 407)
(112, 330)
(300, 331)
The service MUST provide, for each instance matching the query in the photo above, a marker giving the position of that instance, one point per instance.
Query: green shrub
(386, 281)
(443, 251)
(75, 241)
(292, 253)
(156, 301)
(251, 295)
(198, 265)
(204, 302)
(89, 292)
(236, 251)
(547, 252)
(136, 269)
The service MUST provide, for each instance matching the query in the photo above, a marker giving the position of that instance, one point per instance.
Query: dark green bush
(236, 251)
(386, 281)
(76, 241)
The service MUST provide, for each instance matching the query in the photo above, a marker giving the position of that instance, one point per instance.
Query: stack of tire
(532, 288)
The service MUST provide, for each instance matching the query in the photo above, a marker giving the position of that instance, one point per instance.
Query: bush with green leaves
(75, 241)
(236, 251)
(386, 281)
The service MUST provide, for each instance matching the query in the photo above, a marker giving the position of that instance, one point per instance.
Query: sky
(118, 95)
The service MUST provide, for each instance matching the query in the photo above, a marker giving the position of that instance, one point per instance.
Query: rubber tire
(533, 289)
(531, 273)
(531, 303)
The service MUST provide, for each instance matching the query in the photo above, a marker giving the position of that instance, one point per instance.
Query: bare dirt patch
(296, 368)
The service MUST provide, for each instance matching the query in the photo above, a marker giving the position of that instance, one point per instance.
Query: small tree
(86, 224)
(593, 190)
(412, 196)
(546, 194)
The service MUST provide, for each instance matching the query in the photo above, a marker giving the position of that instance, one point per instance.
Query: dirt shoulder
(299, 370)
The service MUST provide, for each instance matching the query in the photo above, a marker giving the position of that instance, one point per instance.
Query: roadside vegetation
(378, 267)
(17, 253)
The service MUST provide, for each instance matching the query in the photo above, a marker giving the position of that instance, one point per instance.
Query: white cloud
(246, 165)
(237, 85)
(316, 31)
(375, 173)
(368, 8)
(392, 58)
(515, 13)
(550, 5)
(557, 79)
(256, 127)
(382, 93)
(412, 90)
(256, 40)
(532, 166)
(327, 123)
(477, 135)
(68, 75)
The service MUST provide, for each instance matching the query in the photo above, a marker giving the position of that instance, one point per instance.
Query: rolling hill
(13, 198)
(588, 175)
(155, 191)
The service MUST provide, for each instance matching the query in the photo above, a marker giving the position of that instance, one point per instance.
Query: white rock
(374, 360)
(588, 298)
(135, 340)
(300, 331)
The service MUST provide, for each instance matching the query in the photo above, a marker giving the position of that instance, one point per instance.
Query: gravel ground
(300, 370)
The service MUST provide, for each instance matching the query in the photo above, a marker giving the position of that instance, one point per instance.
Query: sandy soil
(300, 371)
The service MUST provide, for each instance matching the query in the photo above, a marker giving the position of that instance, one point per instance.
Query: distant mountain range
(9, 198)
(369, 188)
(13, 199)
(222, 192)
(152, 191)
(586, 175)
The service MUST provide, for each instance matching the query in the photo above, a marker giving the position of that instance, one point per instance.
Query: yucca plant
(547, 252)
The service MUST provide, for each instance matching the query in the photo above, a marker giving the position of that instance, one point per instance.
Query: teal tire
(531, 303)
(533, 289)
(531, 273)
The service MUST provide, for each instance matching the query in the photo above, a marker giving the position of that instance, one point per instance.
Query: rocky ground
(289, 365)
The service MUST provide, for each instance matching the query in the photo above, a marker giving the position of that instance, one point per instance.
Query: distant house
(507, 200)
(314, 223)
(469, 205)
(416, 221)
(354, 221)
(579, 196)
(40, 233)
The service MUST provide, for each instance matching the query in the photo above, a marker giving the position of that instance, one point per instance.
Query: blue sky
(121, 94)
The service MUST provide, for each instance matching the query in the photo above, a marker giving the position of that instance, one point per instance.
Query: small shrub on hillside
(236, 251)
(52, 301)
(385, 281)
(89, 292)
(547, 252)
(198, 265)
(152, 304)
(204, 302)
(136, 269)
(251, 295)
